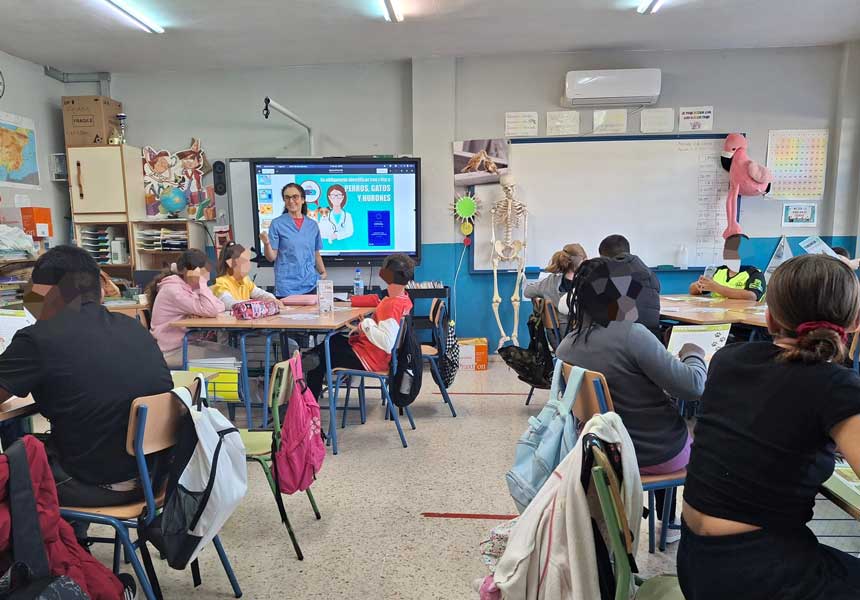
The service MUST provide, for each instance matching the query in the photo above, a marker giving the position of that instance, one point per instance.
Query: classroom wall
(30, 94)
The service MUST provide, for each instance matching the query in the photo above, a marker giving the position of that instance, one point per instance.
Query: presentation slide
(361, 208)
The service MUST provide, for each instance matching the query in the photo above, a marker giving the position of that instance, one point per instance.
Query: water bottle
(357, 284)
(681, 257)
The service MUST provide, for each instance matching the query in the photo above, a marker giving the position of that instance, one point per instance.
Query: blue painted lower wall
(474, 292)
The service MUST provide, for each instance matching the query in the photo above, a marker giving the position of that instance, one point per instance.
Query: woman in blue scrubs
(293, 244)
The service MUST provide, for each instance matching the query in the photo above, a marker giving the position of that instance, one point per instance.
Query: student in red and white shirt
(371, 343)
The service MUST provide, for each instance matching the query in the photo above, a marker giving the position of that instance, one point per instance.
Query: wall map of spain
(19, 164)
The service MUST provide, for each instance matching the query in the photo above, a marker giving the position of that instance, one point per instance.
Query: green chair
(662, 587)
(259, 445)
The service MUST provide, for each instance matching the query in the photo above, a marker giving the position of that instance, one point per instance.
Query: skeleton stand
(508, 213)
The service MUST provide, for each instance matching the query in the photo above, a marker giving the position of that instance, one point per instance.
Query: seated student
(843, 255)
(554, 289)
(180, 293)
(764, 445)
(640, 372)
(617, 248)
(735, 281)
(83, 365)
(233, 284)
(370, 345)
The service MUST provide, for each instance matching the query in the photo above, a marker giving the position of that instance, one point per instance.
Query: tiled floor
(372, 541)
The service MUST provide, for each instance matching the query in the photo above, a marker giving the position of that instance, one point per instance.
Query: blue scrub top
(295, 266)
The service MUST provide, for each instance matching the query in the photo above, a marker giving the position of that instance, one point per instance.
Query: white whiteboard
(657, 191)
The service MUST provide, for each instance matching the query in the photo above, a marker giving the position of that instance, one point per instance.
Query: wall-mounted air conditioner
(612, 87)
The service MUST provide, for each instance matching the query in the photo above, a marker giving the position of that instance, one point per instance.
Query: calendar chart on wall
(798, 160)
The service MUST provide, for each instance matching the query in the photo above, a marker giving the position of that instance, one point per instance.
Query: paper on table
(847, 475)
(708, 337)
(300, 316)
(11, 321)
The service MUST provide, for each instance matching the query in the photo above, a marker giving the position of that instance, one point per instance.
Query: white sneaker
(129, 585)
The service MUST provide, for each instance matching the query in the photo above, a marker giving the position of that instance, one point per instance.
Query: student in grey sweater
(554, 288)
(640, 372)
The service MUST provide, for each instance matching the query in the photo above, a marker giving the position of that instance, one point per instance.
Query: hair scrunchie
(805, 328)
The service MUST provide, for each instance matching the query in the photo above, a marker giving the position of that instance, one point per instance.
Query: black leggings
(765, 565)
(342, 356)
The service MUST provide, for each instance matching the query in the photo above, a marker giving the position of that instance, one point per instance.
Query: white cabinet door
(96, 181)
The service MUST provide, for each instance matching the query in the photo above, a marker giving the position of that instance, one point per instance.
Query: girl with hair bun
(773, 414)
(554, 288)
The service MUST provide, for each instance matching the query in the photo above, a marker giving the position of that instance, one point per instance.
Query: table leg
(266, 373)
(332, 408)
(185, 351)
(243, 375)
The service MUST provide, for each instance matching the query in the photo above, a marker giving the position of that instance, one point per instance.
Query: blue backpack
(549, 438)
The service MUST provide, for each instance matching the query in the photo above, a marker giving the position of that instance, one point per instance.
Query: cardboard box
(89, 120)
(473, 354)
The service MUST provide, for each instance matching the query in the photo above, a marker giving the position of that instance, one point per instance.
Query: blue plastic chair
(430, 352)
(165, 413)
(339, 375)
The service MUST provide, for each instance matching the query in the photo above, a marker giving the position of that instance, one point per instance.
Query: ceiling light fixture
(649, 6)
(392, 12)
(138, 19)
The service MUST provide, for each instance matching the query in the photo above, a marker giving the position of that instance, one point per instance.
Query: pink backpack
(299, 456)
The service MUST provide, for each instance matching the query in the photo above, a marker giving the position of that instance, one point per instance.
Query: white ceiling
(87, 35)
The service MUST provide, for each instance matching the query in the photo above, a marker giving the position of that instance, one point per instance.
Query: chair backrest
(616, 524)
(593, 397)
(163, 416)
(397, 343)
(551, 323)
(437, 310)
(854, 351)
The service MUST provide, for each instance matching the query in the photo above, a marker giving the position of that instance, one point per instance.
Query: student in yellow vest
(732, 281)
(233, 284)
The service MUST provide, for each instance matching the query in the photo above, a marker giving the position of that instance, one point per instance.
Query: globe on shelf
(172, 201)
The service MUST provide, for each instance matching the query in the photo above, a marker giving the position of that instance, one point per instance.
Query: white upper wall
(752, 91)
(30, 94)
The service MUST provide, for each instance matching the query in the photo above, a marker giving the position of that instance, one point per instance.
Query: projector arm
(267, 103)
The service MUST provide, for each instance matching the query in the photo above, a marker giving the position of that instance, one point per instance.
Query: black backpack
(449, 348)
(405, 383)
(534, 364)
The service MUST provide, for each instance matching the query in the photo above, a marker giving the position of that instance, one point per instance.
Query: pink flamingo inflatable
(746, 178)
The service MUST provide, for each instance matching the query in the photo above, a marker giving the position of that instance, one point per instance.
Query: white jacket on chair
(550, 554)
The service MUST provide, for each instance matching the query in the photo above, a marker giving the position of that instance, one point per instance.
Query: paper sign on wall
(696, 118)
(22, 201)
(562, 122)
(657, 120)
(610, 121)
(33, 217)
(521, 124)
(798, 160)
(799, 215)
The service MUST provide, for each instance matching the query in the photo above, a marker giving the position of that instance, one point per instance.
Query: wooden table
(704, 310)
(134, 310)
(843, 496)
(296, 319)
(16, 407)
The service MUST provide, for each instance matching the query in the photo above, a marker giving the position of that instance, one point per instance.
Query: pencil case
(365, 301)
(256, 309)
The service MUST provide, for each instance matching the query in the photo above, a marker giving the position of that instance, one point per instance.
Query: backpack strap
(574, 381)
(27, 544)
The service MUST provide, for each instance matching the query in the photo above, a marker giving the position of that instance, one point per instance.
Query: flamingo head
(733, 143)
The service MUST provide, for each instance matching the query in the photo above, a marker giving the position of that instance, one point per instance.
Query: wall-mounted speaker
(219, 176)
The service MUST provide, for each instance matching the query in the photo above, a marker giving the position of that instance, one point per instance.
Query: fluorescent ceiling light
(138, 19)
(649, 6)
(392, 12)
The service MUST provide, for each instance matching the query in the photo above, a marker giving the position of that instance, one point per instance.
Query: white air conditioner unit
(615, 87)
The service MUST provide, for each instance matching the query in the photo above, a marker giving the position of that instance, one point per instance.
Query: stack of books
(11, 292)
(96, 240)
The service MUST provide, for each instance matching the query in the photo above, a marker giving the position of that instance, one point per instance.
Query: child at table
(179, 293)
(233, 284)
(765, 444)
(732, 281)
(371, 343)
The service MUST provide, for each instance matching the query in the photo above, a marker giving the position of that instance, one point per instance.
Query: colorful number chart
(798, 160)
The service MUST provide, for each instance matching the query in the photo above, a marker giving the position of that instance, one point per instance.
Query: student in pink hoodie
(180, 293)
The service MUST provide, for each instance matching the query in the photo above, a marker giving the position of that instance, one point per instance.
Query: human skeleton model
(509, 214)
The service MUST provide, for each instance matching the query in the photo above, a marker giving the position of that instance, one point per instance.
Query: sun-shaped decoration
(466, 209)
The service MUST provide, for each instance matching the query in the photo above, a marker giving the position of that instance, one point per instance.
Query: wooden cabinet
(106, 180)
